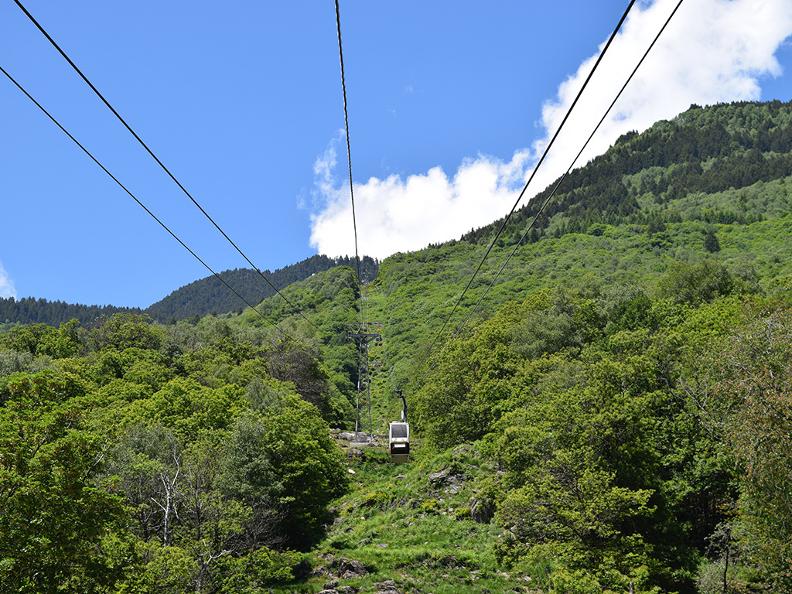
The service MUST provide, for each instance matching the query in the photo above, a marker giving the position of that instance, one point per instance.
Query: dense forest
(209, 296)
(643, 443)
(204, 296)
(29, 310)
(701, 151)
(612, 415)
(145, 458)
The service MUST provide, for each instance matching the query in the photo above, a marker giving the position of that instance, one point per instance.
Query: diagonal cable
(135, 198)
(506, 220)
(156, 158)
(566, 173)
(346, 128)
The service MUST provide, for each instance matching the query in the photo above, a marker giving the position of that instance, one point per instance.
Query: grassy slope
(414, 292)
(393, 520)
(419, 534)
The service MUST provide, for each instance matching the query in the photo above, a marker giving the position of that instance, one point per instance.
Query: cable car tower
(363, 336)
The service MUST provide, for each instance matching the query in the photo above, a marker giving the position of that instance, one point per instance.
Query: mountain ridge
(613, 418)
(201, 297)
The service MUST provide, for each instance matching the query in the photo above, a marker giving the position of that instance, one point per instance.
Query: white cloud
(713, 51)
(401, 214)
(6, 284)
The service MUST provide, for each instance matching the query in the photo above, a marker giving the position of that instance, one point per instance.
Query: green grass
(421, 536)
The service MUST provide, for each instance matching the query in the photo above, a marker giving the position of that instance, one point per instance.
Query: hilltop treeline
(202, 297)
(209, 296)
(702, 150)
(29, 310)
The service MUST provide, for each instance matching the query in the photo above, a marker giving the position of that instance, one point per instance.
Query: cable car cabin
(399, 441)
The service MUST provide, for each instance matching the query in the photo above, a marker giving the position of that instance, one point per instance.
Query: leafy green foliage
(612, 418)
(210, 296)
(614, 471)
(747, 396)
(55, 524)
(163, 459)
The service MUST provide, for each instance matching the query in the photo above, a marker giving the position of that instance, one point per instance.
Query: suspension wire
(136, 199)
(506, 220)
(528, 228)
(157, 159)
(348, 144)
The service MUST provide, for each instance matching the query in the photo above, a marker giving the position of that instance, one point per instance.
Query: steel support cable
(348, 144)
(157, 159)
(567, 172)
(135, 198)
(528, 182)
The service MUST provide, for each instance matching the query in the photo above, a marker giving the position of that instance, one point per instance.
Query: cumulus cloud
(6, 284)
(713, 51)
(402, 214)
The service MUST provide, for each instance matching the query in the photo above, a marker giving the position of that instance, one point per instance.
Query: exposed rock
(439, 478)
(319, 572)
(355, 453)
(448, 479)
(350, 568)
(463, 449)
(482, 510)
(387, 587)
(347, 436)
(332, 587)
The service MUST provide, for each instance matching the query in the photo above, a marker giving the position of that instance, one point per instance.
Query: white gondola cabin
(399, 441)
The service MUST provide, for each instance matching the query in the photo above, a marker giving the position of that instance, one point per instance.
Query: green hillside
(210, 296)
(657, 289)
(29, 310)
(613, 418)
(620, 219)
(202, 297)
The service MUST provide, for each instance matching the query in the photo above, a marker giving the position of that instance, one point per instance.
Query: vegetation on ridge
(613, 418)
(194, 300)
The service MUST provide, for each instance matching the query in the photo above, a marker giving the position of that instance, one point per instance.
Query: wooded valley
(614, 414)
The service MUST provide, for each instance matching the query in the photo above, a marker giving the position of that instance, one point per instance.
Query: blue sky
(242, 101)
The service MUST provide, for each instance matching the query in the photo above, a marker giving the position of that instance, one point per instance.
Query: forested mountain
(701, 151)
(612, 416)
(199, 298)
(616, 221)
(29, 310)
(209, 296)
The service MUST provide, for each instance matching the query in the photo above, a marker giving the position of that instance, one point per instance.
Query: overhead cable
(159, 162)
(348, 143)
(134, 197)
(506, 219)
(566, 173)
